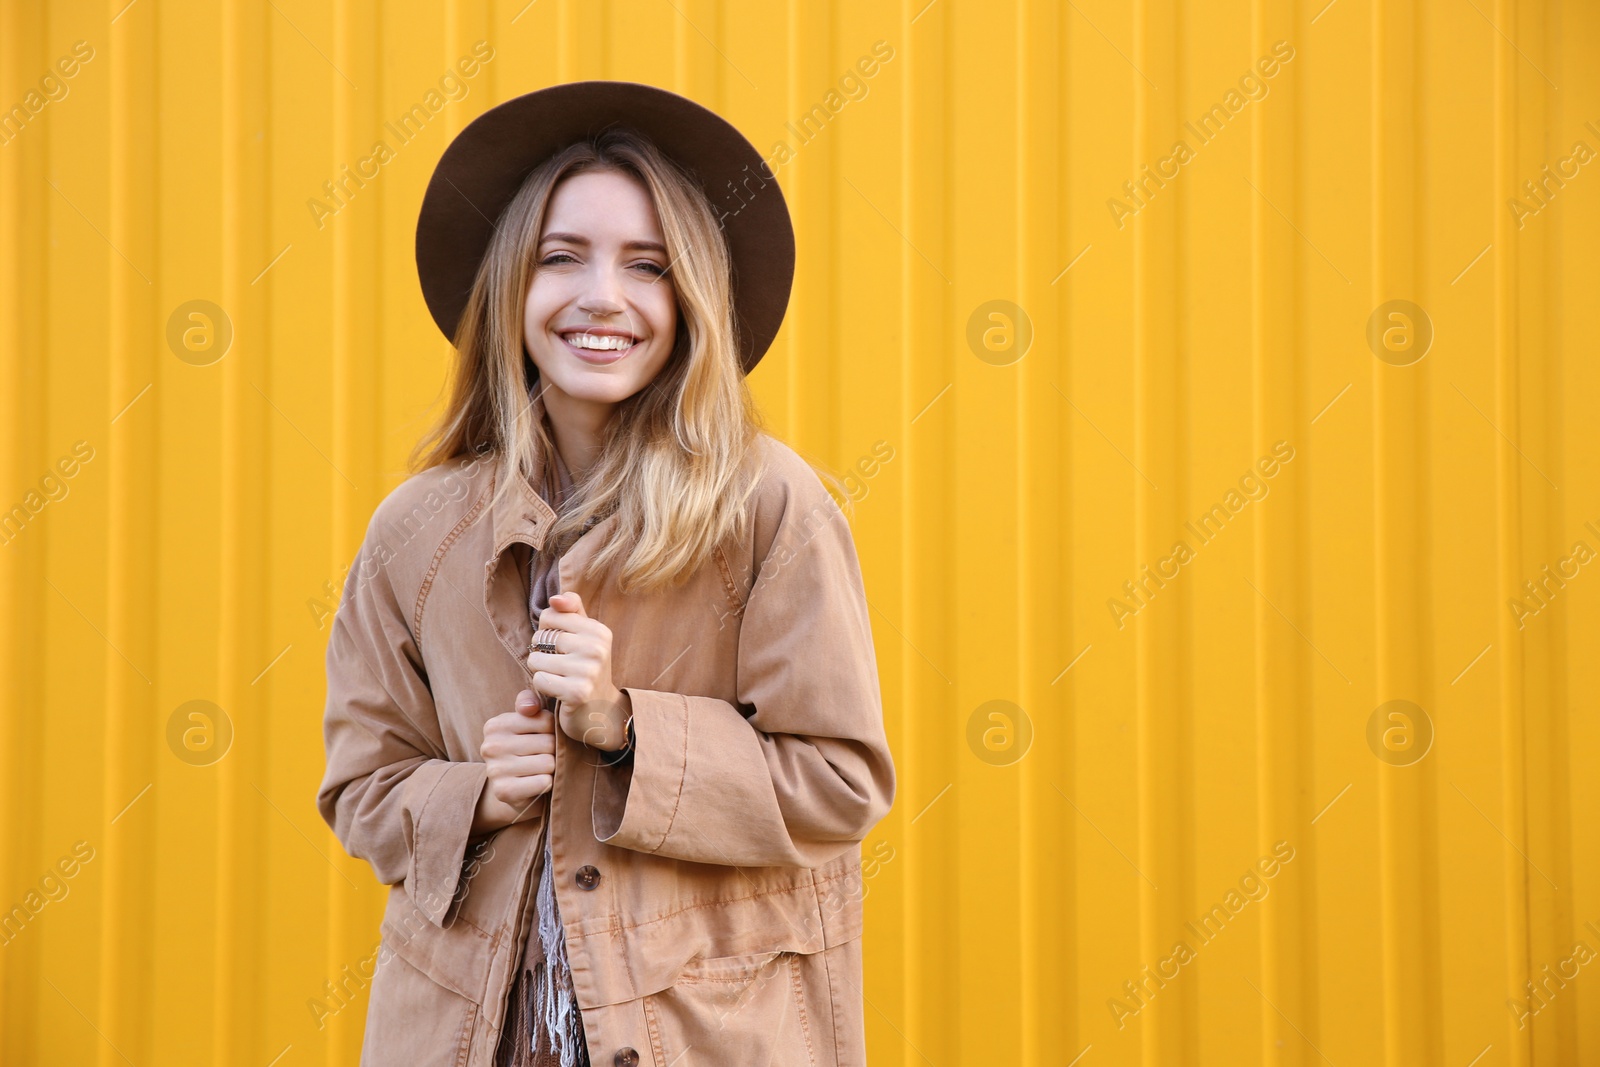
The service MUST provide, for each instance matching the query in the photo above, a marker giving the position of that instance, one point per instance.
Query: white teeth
(599, 342)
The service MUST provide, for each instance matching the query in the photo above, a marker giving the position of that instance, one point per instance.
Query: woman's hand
(519, 747)
(593, 710)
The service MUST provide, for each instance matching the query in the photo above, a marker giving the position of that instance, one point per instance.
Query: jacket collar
(524, 516)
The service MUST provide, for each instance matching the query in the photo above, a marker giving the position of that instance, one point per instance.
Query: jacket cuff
(441, 824)
(635, 801)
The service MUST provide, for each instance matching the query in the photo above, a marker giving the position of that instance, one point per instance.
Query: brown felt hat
(482, 169)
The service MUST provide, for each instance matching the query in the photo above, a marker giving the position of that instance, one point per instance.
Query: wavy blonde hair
(673, 465)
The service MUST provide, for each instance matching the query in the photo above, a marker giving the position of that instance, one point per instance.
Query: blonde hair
(673, 465)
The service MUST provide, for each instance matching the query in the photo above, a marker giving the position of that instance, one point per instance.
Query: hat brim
(484, 167)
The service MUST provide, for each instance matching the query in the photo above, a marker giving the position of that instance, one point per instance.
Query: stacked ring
(545, 641)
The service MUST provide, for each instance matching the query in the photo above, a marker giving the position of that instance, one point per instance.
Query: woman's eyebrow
(579, 239)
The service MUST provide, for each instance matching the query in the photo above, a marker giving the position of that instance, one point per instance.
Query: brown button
(588, 877)
(626, 1056)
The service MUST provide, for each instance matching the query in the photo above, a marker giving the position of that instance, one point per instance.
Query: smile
(601, 348)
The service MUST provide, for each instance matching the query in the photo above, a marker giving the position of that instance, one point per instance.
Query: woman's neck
(578, 427)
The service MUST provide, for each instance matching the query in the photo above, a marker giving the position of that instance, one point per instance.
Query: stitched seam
(616, 927)
(493, 947)
(417, 849)
(753, 961)
(655, 1030)
(728, 585)
(468, 926)
(677, 799)
(800, 1003)
(464, 1038)
(627, 957)
(474, 927)
(833, 1004)
(824, 911)
(438, 558)
(822, 916)
(480, 931)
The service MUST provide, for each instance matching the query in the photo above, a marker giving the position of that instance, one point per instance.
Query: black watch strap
(621, 755)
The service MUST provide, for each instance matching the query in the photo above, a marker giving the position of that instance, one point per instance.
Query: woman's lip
(599, 357)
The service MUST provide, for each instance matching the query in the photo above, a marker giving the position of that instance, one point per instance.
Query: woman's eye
(558, 258)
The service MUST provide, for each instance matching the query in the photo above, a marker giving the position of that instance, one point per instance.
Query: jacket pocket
(413, 1019)
(456, 957)
(773, 1008)
(461, 955)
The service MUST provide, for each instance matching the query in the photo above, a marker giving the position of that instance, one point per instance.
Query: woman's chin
(592, 385)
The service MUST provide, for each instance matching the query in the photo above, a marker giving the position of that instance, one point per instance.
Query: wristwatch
(622, 755)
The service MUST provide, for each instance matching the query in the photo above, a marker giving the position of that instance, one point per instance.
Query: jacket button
(626, 1057)
(588, 877)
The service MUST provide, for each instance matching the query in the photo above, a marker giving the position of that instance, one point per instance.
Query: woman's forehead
(603, 207)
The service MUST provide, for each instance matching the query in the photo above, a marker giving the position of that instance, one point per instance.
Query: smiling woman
(633, 711)
(610, 238)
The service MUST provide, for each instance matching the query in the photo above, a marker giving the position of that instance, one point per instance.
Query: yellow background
(1023, 886)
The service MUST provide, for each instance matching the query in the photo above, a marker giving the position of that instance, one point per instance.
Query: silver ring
(545, 641)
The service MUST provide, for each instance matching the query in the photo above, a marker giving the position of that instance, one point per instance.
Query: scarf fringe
(560, 1033)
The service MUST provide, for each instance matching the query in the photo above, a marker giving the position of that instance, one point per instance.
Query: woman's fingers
(541, 763)
(572, 689)
(519, 775)
(502, 744)
(573, 650)
(520, 722)
(520, 805)
(557, 617)
(523, 787)
(568, 604)
(519, 748)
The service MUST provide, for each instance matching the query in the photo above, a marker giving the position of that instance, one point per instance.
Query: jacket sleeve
(389, 794)
(797, 771)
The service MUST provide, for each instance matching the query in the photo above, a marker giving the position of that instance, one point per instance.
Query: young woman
(603, 708)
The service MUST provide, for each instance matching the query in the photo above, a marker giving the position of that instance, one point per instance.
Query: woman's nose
(602, 291)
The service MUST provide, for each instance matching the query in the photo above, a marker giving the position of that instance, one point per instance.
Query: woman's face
(600, 315)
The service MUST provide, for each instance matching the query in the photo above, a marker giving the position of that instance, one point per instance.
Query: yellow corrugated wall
(1163, 502)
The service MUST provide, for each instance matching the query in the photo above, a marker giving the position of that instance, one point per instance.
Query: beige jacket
(711, 890)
